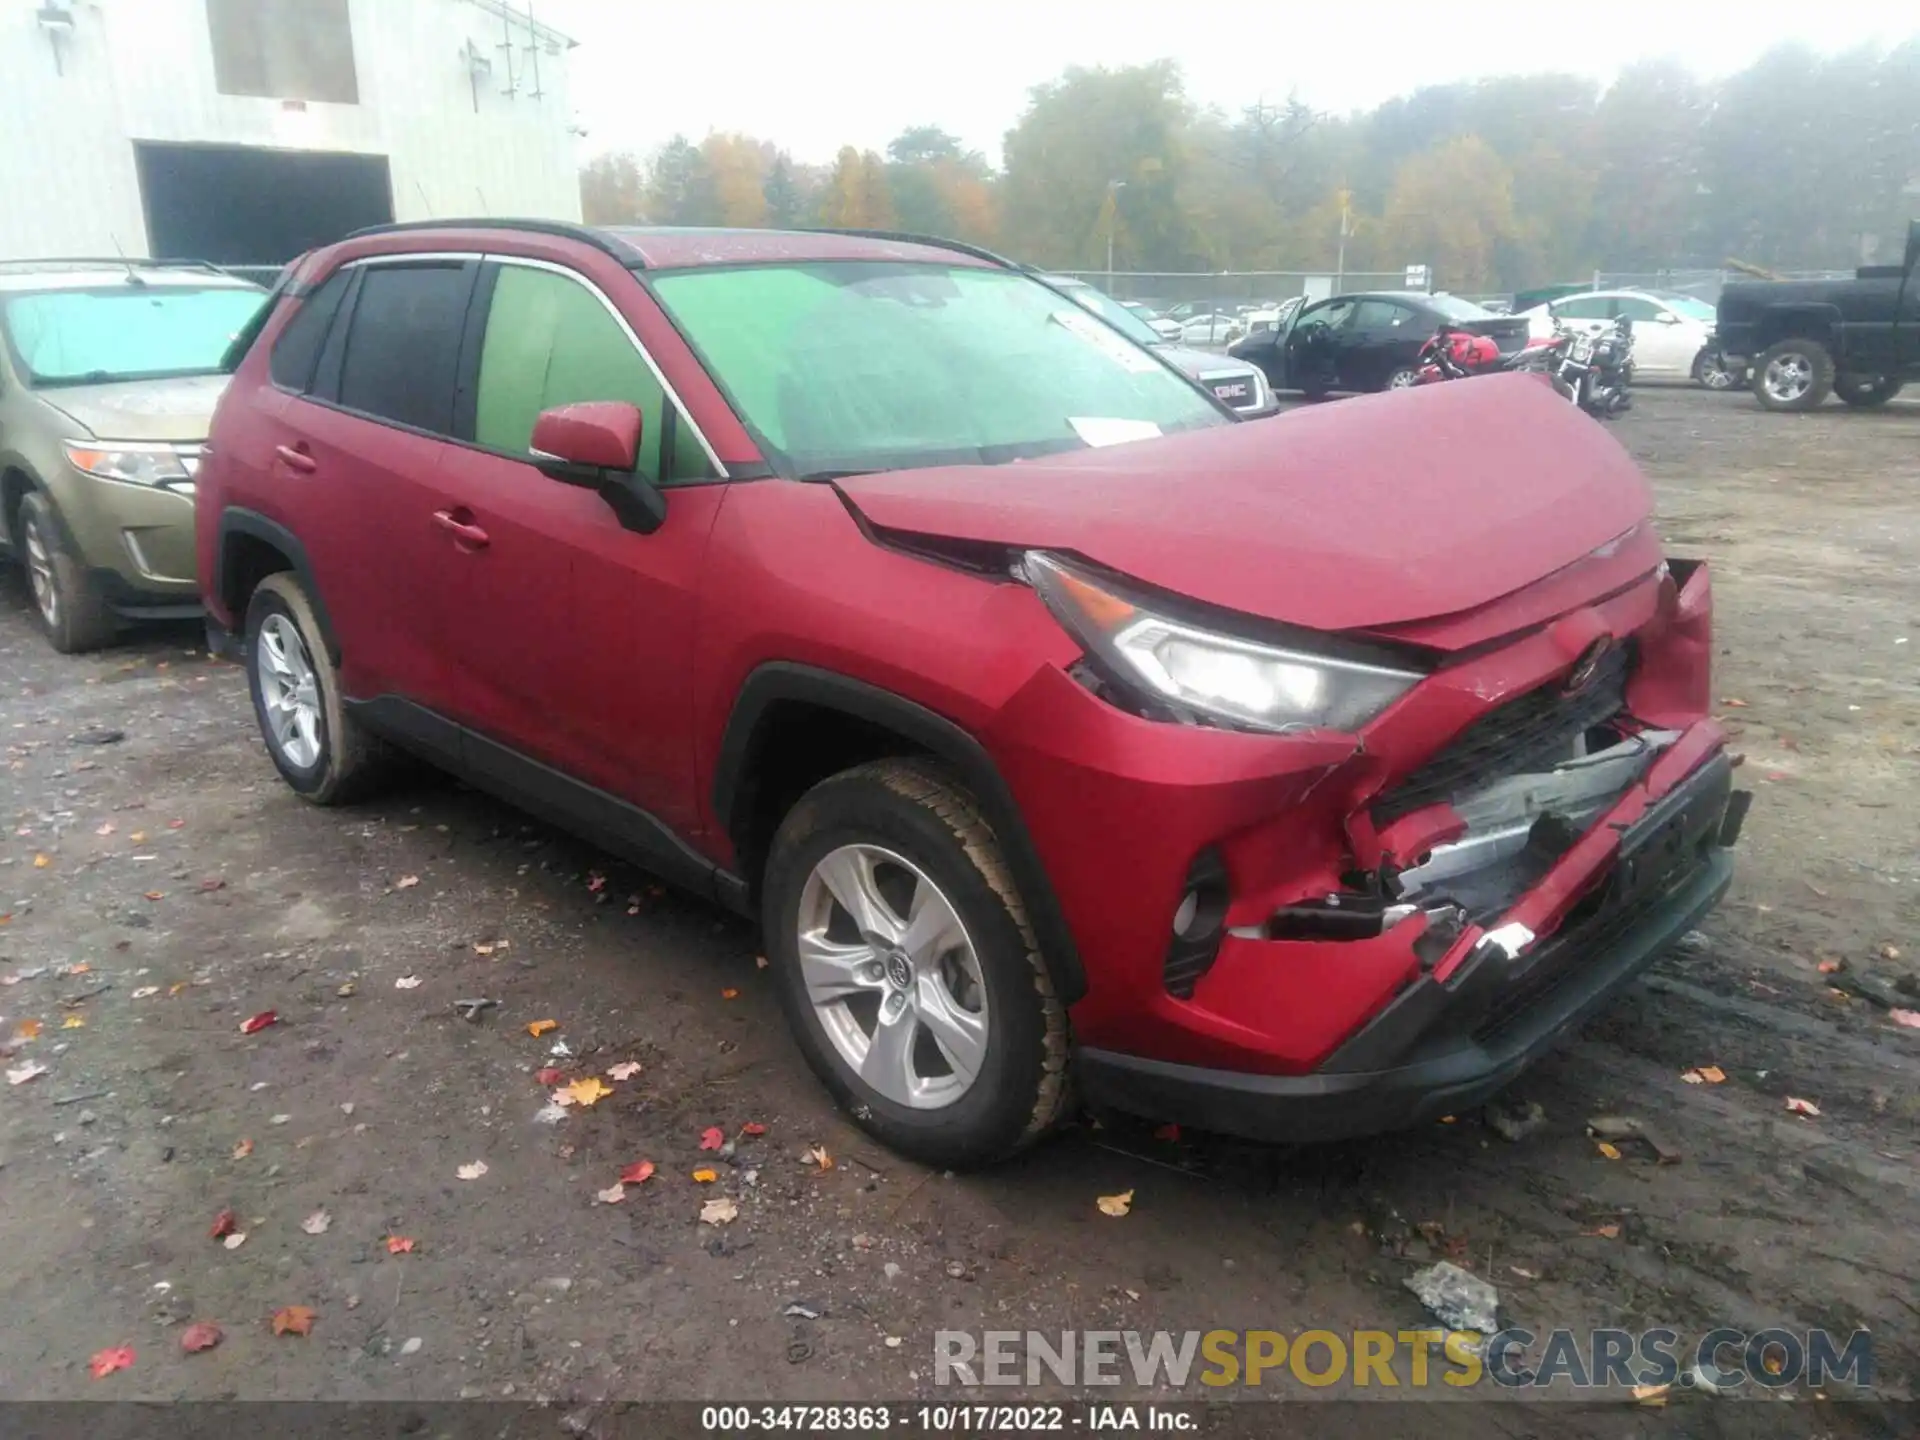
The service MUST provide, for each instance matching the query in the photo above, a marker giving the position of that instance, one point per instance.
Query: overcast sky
(814, 75)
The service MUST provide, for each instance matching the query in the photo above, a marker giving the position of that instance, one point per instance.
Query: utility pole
(1114, 187)
(1340, 260)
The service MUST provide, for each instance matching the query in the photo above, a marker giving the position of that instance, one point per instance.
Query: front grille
(1531, 733)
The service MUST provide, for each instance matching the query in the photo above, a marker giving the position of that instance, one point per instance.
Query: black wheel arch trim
(236, 520)
(780, 681)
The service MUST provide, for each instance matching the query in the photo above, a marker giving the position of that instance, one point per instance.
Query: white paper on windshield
(1103, 337)
(1099, 430)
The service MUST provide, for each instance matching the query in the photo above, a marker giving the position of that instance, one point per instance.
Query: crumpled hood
(1202, 362)
(178, 409)
(1360, 514)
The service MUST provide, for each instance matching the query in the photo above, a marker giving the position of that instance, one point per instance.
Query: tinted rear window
(403, 346)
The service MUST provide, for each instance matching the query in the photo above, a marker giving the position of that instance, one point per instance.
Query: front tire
(1793, 375)
(65, 600)
(1405, 378)
(908, 969)
(1867, 392)
(322, 752)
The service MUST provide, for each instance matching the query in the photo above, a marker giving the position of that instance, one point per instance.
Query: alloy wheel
(46, 595)
(893, 976)
(289, 692)
(1788, 377)
(1403, 379)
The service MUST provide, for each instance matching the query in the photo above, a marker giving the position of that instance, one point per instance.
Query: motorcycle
(1457, 354)
(1595, 369)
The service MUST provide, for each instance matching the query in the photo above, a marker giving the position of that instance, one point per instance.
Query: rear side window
(550, 340)
(1590, 307)
(298, 348)
(403, 344)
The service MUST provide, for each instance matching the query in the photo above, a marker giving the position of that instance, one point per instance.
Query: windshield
(127, 332)
(871, 365)
(1126, 321)
(1452, 307)
(1688, 305)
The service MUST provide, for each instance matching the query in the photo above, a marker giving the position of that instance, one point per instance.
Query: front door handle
(296, 459)
(469, 535)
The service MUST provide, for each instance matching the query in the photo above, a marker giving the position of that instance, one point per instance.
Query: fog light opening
(1198, 924)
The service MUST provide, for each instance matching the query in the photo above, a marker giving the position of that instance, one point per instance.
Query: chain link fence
(1701, 284)
(1164, 289)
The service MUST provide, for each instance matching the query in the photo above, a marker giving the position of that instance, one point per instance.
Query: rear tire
(1793, 375)
(1867, 392)
(320, 750)
(975, 1064)
(1710, 369)
(65, 599)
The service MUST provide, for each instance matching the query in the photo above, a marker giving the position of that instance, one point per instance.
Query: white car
(1672, 334)
(1211, 329)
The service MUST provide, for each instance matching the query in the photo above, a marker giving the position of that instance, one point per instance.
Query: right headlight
(1225, 678)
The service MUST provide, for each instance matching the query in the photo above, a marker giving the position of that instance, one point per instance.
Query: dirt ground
(161, 888)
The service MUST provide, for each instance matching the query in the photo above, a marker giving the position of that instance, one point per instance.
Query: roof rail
(107, 262)
(585, 234)
(938, 242)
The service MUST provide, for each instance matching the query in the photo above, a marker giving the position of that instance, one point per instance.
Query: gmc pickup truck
(1801, 339)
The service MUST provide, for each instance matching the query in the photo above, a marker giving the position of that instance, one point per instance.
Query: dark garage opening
(241, 205)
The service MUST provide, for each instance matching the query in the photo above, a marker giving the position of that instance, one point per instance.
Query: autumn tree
(680, 186)
(1080, 137)
(1452, 208)
(781, 192)
(855, 196)
(738, 166)
(613, 191)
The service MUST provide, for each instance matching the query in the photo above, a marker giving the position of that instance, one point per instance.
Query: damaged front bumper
(1492, 997)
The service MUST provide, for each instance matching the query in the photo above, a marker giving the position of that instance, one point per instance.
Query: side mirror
(596, 445)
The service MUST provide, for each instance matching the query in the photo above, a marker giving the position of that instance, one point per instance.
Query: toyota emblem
(1588, 664)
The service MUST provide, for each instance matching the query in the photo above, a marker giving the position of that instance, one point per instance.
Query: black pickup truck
(1800, 339)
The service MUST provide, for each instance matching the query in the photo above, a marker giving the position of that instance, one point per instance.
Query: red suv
(1295, 778)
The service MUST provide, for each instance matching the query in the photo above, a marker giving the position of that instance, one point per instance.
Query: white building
(245, 131)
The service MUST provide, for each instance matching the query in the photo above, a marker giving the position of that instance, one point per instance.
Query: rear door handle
(470, 536)
(295, 459)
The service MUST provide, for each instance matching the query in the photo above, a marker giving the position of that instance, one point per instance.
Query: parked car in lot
(1367, 342)
(1672, 334)
(109, 370)
(1212, 327)
(1064, 733)
(1802, 340)
(1234, 383)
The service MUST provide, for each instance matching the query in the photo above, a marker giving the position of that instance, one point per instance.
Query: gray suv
(1234, 383)
(109, 371)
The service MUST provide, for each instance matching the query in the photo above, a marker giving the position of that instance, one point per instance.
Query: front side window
(403, 345)
(1584, 307)
(297, 349)
(1637, 309)
(551, 341)
(1333, 314)
(868, 365)
(126, 332)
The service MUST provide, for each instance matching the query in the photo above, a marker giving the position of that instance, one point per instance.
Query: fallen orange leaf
(712, 1138)
(625, 1070)
(540, 1027)
(753, 1127)
(257, 1023)
(818, 1155)
(1115, 1205)
(243, 1149)
(224, 1224)
(1909, 1018)
(1605, 1232)
(293, 1320)
(704, 1176)
(201, 1335)
(636, 1173)
(550, 1075)
(399, 1245)
(40, 862)
(729, 994)
(74, 1022)
(156, 894)
(1612, 1152)
(1801, 1107)
(105, 1362)
(1712, 1074)
(1829, 967)
(27, 1030)
(586, 1091)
